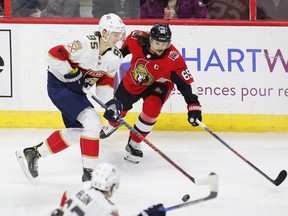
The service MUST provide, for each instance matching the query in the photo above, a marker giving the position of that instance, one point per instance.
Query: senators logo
(141, 74)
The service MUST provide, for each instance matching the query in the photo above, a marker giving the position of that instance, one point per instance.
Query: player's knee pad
(71, 135)
(91, 122)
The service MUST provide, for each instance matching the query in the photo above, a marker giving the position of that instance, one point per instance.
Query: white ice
(242, 190)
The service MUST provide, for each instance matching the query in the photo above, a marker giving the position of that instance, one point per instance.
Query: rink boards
(241, 74)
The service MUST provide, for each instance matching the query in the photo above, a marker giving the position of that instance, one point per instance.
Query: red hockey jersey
(147, 69)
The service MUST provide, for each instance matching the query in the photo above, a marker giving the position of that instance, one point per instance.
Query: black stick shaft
(144, 139)
(281, 177)
(211, 196)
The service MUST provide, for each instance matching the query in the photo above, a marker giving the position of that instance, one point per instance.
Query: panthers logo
(141, 74)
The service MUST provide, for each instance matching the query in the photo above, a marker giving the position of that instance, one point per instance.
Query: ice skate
(28, 160)
(134, 152)
(87, 174)
(107, 130)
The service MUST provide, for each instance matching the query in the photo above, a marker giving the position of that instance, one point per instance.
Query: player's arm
(125, 47)
(58, 60)
(184, 82)
(129, 41)
(62, 59)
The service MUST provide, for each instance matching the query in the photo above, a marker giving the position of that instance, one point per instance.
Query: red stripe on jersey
(56, 143)
(89, 147)
(59, 52)
(63, 199)
(106, 80)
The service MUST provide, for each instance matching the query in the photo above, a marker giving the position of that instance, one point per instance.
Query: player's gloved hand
(153, 211)
(113, 111)
(194, 112)
(90, 78)
(57, 212)
(75, 81)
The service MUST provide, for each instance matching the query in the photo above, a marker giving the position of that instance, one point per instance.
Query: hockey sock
(90, 151)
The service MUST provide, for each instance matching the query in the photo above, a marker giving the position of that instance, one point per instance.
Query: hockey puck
(185, 198)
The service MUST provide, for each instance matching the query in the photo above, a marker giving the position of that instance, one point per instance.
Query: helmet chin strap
(111, 191)
(106, 41)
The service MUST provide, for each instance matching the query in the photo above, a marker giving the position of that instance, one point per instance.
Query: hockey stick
(281, 176)
(121, 120)
(213, 181)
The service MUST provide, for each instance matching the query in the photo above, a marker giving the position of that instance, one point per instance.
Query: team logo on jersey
(91, 76)
(173, 55)
(76, 45)
(141, 74)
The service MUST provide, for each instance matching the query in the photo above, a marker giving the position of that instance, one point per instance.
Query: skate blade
(21, 157)
(131, 158)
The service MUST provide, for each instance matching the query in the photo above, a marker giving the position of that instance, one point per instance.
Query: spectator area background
(241, 71)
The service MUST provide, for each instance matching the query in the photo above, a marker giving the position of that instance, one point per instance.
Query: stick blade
(212, 181)
(280, 178)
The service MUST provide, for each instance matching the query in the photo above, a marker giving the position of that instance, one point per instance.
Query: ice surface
(242, 190)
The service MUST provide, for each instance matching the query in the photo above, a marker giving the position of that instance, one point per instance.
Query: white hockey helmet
(104, 176)
(111, 23)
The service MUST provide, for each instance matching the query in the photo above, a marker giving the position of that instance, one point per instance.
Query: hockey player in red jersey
(87, 61)
(156, 65)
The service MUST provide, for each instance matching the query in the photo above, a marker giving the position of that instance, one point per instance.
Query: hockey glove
(90, 77)
(74, 81)
(113, 111)
(57, 212)
(153, 211)
(194, 112)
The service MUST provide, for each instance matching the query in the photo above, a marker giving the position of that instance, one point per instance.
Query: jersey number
(93, 42)
(186, 74)
(117, 53)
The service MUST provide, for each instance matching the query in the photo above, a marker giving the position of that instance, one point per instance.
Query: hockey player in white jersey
(92, 197)
(91, 60)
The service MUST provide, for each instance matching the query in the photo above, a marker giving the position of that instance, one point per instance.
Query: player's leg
(89, 140)
(110, 127)
(56, 142)
(154, 99)
(70, 104)
(144, 124)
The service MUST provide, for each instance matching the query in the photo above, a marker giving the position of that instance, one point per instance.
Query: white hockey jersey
(87, 201)
(83, 53)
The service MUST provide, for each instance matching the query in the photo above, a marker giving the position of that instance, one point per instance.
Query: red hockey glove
(194, 112)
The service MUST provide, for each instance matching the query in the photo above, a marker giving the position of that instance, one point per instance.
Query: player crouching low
(92, 197)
